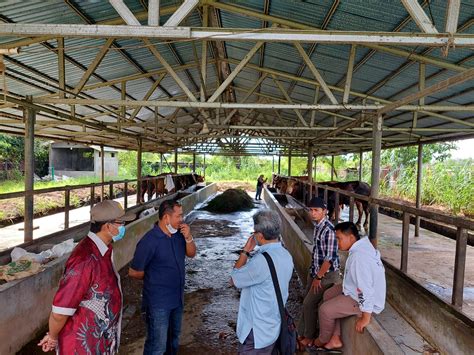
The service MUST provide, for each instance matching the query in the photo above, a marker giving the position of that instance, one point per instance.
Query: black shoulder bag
(286, 342)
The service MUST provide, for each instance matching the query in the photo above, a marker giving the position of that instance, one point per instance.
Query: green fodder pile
(231, 200)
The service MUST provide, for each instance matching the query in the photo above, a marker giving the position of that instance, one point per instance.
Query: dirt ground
(211, 304)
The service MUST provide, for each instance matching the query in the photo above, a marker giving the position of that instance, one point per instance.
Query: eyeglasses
(117, 222)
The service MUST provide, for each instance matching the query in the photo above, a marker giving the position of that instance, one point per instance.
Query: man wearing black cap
(324, 271)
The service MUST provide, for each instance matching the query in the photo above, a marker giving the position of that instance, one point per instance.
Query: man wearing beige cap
(87, 308)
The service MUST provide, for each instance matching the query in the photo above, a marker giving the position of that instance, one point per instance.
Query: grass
(18, 185)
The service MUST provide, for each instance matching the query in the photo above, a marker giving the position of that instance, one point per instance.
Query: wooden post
(361, 157)
(289, 163)
(375, 181)
(175, 160)
(315, 170)
(279, 164)
(161, 163)
(92, 195)
(67, 202)
(332, 167)
(139, 171)
(405, 235)
(102, 174)
(459, 267)
(111, 190)
(336, 208)
(204, 166)
(194, 162)
(419, 174)
(310, 173)
(351, 209)
(30, 118)
(273, 163)
(125, 196)
(325, 195)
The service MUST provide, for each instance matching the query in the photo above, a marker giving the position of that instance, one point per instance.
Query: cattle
(357, 187)
(157, 185)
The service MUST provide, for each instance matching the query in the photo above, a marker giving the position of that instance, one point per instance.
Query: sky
(465, 149)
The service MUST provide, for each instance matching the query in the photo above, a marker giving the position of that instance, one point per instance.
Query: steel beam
(153, 12)
(184, 10)
(124, 12)
(419, 16)
(452, 16)
(61, 68)
(235, 72)
(375, 181)
(350, 68)
(419, 174)
(93, 66)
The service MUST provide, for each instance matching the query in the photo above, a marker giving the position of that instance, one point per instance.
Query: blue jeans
(258, 195)
(163, 329)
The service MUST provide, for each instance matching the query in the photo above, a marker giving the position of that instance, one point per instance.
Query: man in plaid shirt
(323, 274)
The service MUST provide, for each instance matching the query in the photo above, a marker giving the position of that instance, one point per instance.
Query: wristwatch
(245, 252)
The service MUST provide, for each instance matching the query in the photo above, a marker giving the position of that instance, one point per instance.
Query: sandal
(322, 349)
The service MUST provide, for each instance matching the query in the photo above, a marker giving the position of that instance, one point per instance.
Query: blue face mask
(120, 235)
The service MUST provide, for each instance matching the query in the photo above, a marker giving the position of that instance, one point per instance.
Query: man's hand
(363, 322)
(184, 228)
(250, 245)
(316, 285)
(48, 343)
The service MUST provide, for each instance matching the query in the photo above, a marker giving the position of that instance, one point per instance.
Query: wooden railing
(68, 188)
(462, 225)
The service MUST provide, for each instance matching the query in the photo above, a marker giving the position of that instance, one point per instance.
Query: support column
(419, 174)
(273, 164)
(139, 171)
(361, 157)
(30, 118)
(102, 174)
(279, 164)
(175, 160)
(289, 163)
(194, 162)
(375, 181)
(332, 167)
(204, 166)
(315, 168)
(161, 163)
(61, 69)
(310, 172)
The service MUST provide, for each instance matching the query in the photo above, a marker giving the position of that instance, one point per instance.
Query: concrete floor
(12, 235)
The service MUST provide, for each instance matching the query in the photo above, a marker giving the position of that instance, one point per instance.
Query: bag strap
(276, 285)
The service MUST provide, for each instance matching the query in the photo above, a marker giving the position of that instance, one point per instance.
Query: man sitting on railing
(362, 292)
(323, 274)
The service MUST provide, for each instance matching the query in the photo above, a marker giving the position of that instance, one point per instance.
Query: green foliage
(12, 149)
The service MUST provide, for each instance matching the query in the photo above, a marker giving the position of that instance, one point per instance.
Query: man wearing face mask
(159, 261)
(87, 308)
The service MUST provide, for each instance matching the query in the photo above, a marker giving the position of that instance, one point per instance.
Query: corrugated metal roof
(38, 64)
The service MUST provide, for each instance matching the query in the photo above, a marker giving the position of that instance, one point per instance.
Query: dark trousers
(248, 347)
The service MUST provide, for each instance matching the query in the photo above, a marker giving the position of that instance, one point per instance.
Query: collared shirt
(89, 292)
(162, 259)
(364, 277)
(324, 247)
(258, 309)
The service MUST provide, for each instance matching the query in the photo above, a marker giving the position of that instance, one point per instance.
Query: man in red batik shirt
(87, 308)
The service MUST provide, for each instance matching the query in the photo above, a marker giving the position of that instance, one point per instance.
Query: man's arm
(56, 324)
(139, 275)
(190, 245)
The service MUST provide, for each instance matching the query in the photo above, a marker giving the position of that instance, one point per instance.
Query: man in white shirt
(362, 292)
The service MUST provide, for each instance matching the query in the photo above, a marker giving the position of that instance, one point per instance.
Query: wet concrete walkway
(211, 304)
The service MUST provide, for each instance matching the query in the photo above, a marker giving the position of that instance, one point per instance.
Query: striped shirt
(324, 247)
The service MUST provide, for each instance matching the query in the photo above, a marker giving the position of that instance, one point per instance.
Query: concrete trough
(25, 304)
(375, 339)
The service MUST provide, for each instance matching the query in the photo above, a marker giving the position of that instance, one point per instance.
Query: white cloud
(465, 149)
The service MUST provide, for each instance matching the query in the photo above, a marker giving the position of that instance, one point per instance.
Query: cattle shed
(258, 77)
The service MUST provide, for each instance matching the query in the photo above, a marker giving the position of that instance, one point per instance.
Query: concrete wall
(375, 339)
(25, 304)
(110, 163)
(450, 330)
